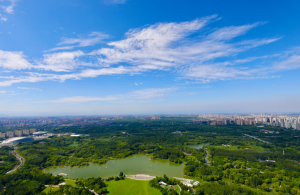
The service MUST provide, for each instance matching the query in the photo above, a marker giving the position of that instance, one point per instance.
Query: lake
(136, 164)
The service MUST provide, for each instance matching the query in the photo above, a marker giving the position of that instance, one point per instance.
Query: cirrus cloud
(186, 49)
(144, 94)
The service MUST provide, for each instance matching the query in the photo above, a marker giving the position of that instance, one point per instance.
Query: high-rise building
(32, 130)
(10, 134)
(3, 135)
(26, 131)
(298, 126)
(213, 123)
(226, 122)
(219, 122)
(19, 133)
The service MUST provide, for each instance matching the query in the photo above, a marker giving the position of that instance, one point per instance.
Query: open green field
(104, 139)
(177, 189)
(74, 144)
(70, 182)
(131, 187)
(47, 189)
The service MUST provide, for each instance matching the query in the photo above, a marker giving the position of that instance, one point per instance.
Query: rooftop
(14, 139)
(40, 132)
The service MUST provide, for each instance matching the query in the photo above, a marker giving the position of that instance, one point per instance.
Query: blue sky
(107, 57)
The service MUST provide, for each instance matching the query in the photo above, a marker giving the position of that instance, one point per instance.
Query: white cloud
(10, 7)
(2, 92)
(28, 88)
(13, 60)
(153, 47)
(2, 18)
(144, 94)
(37, 77)
(60, 62)
(80, 99)
(156, 48)
(176, 47)
(115, 1)
(92, 39)
(227, 33)
(150, 93)
(291, 63)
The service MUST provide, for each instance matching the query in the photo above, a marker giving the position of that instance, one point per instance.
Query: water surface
(199, 147)
(136, 164)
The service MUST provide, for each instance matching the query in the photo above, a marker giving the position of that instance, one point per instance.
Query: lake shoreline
(134, 164)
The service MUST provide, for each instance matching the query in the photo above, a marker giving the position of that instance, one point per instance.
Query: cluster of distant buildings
(16, 136)
(281, 121)
(186, 182)
(68, 121)
(269, 132)
(53, 121)
(34, 135)
(284, 121)
(17, 133)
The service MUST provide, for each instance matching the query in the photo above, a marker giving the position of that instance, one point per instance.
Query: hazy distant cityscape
(67, 121)
(280, 120)
(285, 121)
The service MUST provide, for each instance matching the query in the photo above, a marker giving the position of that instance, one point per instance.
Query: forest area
(238, 164)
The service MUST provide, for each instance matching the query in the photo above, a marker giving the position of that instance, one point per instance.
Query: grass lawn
(104, 139)
(177, 189)
(70, 182)
(47, 189)
(74, 144)
(131, 187)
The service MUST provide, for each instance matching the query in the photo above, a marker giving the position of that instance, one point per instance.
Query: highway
(20, 158)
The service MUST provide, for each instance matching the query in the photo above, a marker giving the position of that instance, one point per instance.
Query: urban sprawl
(285, 121)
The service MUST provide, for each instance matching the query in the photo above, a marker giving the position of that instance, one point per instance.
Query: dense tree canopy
(229, 163)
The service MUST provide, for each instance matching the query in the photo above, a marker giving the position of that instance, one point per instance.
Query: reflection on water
(199, 147)
(137, 164)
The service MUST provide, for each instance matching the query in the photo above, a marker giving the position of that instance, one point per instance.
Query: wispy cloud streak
(175, 47)
(144, 94)
(114, 2)
(70, 43)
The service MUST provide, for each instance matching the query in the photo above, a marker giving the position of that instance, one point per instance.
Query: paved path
(140, 177)
(20, 158)
(257, 138)
(57, 186)
(179, 188)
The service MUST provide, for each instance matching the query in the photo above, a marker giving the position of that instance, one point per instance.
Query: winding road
(20, 158)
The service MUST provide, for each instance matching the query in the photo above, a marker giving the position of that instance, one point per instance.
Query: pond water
(136, 164)
(199, 147)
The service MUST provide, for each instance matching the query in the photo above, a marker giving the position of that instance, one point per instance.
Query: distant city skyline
(288, 121)
(62, 58)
